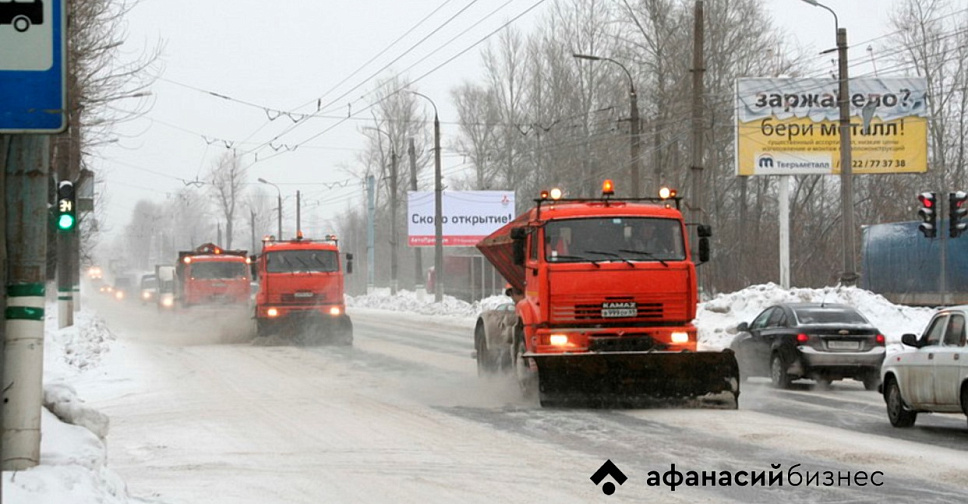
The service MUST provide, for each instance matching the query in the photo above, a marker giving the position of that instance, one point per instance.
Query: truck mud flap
(636, 379)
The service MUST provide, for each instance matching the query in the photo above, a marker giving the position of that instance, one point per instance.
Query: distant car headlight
(119, 294)
(167, 301)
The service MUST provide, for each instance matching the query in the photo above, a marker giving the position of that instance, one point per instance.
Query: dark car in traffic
(819, 341)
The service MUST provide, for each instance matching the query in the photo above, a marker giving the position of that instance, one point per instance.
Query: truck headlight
(558, 339)
(680, 337)
(334, 311)
(272, 312)
(167, 301)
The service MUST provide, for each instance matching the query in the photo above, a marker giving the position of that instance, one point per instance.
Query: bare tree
(478, 116)
(227, 180)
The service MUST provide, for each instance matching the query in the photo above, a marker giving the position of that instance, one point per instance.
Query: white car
(931, 375)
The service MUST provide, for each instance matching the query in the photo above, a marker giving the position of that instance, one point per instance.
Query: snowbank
(718, 317)
(73, 458)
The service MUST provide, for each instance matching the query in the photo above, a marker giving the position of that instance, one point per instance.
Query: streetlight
(849, 276)
(633, 118)
(438, 209)
(279, 193)
(393, 210)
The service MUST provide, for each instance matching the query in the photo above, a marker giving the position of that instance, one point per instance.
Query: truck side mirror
(349, 263)
(253, 266)
(703, 249)
(704, 230)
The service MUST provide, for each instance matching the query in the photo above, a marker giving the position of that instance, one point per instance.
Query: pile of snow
(718, 317)
(73, 457)
(423, 303)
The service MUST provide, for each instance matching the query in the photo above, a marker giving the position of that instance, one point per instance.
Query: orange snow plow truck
(212, 275)
(606, 294)
(301, 290)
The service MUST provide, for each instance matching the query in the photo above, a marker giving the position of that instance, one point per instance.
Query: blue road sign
(33, 89)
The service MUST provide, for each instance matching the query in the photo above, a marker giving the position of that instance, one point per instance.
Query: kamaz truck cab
(301, 290)
(212, 275)
(610, 295)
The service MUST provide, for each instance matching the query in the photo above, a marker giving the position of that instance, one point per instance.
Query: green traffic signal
(65, 222)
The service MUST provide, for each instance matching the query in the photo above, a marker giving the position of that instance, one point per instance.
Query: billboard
(468, 216)
(791, 126)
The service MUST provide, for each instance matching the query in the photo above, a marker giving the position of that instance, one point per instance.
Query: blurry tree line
(541, 118)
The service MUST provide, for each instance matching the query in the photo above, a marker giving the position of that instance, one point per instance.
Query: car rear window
(829, 316)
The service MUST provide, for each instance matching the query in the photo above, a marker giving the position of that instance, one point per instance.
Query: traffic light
(928, 213)
(66, 217)
(956, 212)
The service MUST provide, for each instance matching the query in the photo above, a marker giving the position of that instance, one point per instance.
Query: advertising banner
(791, 126)
(468, 216)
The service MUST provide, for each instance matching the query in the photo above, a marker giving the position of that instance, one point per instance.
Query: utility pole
(698, 68)
(252, 226)
(635, 133)
(218, 239)
(438, 217)
(298, 214)
(394, 265)
(849, 276)
(418, 279)
(25, 199)
(370, 217)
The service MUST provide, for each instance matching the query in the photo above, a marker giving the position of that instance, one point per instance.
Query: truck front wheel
(527, 379)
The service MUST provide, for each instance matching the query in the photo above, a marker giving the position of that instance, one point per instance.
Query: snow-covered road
(201, 413)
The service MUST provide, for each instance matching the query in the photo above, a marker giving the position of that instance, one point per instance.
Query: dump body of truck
(301, 290)
(608, 301)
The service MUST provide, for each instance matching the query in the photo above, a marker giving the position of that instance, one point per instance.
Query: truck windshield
(614, 239)
(216, 269)
(301, 261)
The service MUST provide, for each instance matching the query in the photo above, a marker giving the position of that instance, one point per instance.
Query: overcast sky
(287, 55)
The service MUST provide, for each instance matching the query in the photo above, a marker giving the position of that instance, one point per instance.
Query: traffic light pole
(943, 261)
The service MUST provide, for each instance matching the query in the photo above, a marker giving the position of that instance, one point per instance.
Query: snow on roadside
(73, 457)
(423, 303)
(718, 317)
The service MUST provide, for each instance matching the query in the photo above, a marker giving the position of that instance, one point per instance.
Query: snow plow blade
(638, 378)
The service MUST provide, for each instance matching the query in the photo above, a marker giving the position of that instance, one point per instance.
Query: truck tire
(486, 363)
(526, 378)
(343, 332)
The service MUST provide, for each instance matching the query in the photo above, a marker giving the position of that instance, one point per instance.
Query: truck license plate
(619, 309)
(304, 294)
(843, 345)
